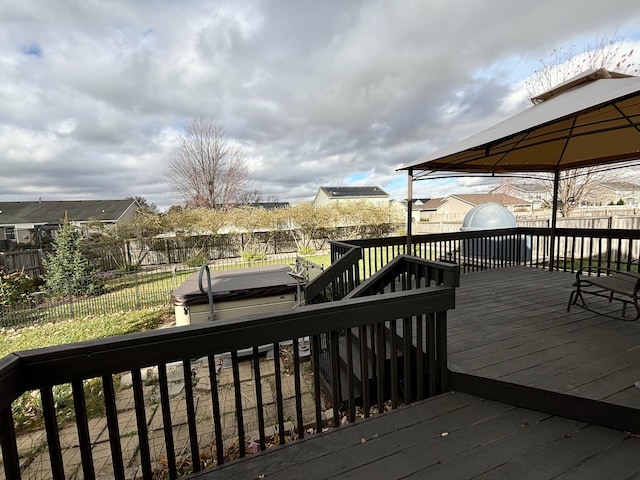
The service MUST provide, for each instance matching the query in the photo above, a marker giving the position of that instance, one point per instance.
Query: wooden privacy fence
(29, 261)
(444, 224)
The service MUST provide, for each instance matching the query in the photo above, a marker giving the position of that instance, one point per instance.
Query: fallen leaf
(254, 446)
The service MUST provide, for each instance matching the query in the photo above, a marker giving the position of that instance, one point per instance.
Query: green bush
(197, 260)
(253, 256)
(15, 288)
(306, 250)
(129, 268)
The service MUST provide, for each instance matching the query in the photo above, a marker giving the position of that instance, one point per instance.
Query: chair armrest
(593, 270)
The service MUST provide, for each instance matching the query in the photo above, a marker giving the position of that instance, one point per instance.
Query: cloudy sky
(94, 94)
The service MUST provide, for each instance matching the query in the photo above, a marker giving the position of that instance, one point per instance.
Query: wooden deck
(454, 436)
(512, 325)
(509, 325)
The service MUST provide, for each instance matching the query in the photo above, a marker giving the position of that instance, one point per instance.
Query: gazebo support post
(554, 218)
(409, 208)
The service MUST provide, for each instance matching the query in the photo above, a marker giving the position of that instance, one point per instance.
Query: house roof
(523, 187)
(432, 204)
(416, 201)
(265, 205)
(52, 213)
(479, 198)
(475, 199)
(353, 192)
(621, 186)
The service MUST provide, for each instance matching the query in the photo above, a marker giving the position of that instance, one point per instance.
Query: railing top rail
(435, 237)
(450, 273)
(61, 364)
(388, 241)
(337, 268)
(11, 380)
(343, 243)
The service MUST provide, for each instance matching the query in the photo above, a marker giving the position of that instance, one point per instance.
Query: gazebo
(592, 119)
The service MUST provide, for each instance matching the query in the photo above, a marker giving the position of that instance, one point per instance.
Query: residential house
(614, 192)
(455, 207)
(334, 195)
(535, 194)
(416, 206)
(328, 196)
(599, 194)
(35, 222)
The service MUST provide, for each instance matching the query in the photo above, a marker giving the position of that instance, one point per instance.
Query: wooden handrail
(335, 271)
(574, 248)
(44, 368)
(66, 363)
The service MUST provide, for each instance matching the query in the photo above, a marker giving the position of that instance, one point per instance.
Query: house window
(10, 233)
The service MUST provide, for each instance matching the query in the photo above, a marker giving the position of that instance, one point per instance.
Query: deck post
(554, 218)
(409, 208)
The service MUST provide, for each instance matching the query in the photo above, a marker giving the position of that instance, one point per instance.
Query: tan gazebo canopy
(592, 119)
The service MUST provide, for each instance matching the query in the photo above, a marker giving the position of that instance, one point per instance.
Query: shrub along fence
(172, 250)
(118, 291)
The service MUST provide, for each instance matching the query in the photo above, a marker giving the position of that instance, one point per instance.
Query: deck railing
(340, 278)
(179, 400)
(394, 349)
(483, 249)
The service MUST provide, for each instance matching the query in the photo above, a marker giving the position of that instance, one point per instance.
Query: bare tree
(251, 197)
(580, 187)
(307, 223)
(207, 170)
(564, 63)
(364, 219)
(561, 65)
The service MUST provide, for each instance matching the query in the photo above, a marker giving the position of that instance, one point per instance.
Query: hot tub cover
(240, 284)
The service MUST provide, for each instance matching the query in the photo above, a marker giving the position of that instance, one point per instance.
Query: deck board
(451, 436)
(537, 342)
(509, 325)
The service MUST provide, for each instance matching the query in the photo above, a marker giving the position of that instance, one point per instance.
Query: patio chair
(622, 286)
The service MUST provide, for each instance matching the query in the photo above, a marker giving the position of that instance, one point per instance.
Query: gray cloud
(93, 95)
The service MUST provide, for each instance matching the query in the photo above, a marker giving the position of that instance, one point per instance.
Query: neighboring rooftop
(474, 199)
(621, 186)
(53, 212)
(344, 192)
(268, 205)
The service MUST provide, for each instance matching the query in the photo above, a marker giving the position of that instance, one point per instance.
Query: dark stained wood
(570, 406)
(64, 363)
(513, 325)
(510, 326)
(453, 435)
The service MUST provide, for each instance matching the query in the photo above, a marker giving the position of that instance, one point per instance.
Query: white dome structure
(483, 249)
(488, 216)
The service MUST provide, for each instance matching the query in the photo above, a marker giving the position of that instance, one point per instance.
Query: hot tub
(236, 293)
